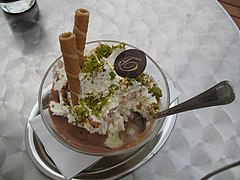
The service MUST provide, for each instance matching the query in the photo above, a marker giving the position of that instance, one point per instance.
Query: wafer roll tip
(81, 12)
(66, 36)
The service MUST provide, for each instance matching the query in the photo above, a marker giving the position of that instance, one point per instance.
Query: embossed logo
(130, 63)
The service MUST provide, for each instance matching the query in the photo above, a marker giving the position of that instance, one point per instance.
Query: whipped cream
(106, 99)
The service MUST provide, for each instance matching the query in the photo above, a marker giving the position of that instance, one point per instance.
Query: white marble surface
(194, 41)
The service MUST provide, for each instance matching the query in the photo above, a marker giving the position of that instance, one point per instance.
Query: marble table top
(195, 42)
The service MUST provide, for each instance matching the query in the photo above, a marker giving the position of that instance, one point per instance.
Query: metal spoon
(220, 94)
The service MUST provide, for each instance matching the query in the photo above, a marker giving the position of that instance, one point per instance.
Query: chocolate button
(130, 63)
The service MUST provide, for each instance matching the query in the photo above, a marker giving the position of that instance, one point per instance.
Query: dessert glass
(152, 68)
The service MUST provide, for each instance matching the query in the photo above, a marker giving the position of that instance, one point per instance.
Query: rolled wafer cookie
(71, 62)
(80, 30)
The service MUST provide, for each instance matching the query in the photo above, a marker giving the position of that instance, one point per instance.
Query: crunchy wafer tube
(71, 62)
(80, 30)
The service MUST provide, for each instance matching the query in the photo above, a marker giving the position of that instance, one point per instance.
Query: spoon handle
(220, 94)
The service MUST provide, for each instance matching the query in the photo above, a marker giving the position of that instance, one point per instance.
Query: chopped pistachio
(91, 64)
(112, 75)
(112, 88)
(121, 45)
(156, 91)
(103, 50)
(142, 78)
(94, 62)
(81, 111)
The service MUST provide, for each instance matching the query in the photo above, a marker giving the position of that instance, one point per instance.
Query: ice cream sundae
(91, 102)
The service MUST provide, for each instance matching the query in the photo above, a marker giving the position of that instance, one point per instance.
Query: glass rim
(117, 152)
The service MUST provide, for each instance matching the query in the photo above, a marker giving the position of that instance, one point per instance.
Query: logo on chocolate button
(130, 63)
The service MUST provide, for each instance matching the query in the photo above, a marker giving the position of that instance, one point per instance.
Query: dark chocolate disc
(130, 63)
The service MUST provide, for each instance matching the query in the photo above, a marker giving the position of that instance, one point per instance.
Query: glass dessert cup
(152, 68)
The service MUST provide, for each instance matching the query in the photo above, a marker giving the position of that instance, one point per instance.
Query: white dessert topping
(105, 100)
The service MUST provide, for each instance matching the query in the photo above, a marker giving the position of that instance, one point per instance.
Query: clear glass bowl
(152, 68)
